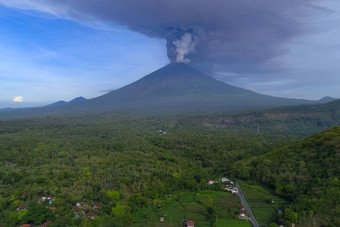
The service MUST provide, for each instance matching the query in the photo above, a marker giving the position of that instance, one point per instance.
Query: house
(224, 180)
(46, 223)
(26, 225)
(234, 191)
(162, 131)
(211, 182)
(229, 189)
(161, 219)
(50, 200)
(96, 207)
(189, 223)
(21, 207)
(243, 212)
(243, 215)
(90, 215)
(52, 209)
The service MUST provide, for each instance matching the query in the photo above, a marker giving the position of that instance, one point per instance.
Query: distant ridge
(327, 99)
(61, 103)
(173, 89)
(6, 109)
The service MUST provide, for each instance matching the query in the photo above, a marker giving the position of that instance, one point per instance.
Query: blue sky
(45, 59)
(57, 51)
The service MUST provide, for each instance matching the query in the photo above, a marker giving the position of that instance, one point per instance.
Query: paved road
(246, 206)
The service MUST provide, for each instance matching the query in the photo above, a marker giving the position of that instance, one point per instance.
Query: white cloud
(18, 99)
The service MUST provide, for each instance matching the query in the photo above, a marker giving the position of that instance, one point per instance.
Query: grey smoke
(179, 44)
(238, 36)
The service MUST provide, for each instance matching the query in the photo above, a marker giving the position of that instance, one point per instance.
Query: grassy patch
(231, 223)
(259, 198)
(192, 206)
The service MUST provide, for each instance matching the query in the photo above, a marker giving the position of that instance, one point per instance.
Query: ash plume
(179, 44)
(240, 36)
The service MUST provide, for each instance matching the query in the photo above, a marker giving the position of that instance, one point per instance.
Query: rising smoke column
(180, 43)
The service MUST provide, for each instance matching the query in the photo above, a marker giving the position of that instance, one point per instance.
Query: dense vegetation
(302, 121)
(122, 165)
(307, 174)
(104, 170)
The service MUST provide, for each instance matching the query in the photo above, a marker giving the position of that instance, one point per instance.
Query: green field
(231, 223)
(259, 198)
(191, 206)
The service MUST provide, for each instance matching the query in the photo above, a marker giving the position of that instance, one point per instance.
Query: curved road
(246, 206)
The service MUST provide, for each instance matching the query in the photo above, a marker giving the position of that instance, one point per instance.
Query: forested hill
(307, 173)
(303, 120)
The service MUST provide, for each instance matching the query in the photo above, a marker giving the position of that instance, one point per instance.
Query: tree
(38, 214)
(114, 195)
(121, 210)
(211, 215)
(21, 214)
(290, 215)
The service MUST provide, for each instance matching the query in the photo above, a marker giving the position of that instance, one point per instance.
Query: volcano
(178, 88)
(174, 89)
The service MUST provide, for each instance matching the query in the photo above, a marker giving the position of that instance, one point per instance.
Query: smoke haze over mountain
(241, 35)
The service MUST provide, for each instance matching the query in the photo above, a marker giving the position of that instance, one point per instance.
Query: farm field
(260, 200)
(192, 206)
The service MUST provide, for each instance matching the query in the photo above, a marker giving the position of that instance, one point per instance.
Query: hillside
(178, 88)
(302, 120)
(306, 173)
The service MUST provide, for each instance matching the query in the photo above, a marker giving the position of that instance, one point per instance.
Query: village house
(96, 207)
(210, 182)
(231, 189)
(243, 214)
(189, 223)
(162, 131)
(235, 191)
(46, 223)
(21, 207)
(50, 200)
(224, 180)
(90, 215)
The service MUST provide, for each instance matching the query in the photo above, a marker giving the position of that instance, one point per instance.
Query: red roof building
(46, 223)
(243, 212)
(21, 207)
(189, 223)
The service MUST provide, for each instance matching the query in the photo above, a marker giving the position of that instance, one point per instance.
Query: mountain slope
(307, 173)
(177, 88)
(173, 89)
